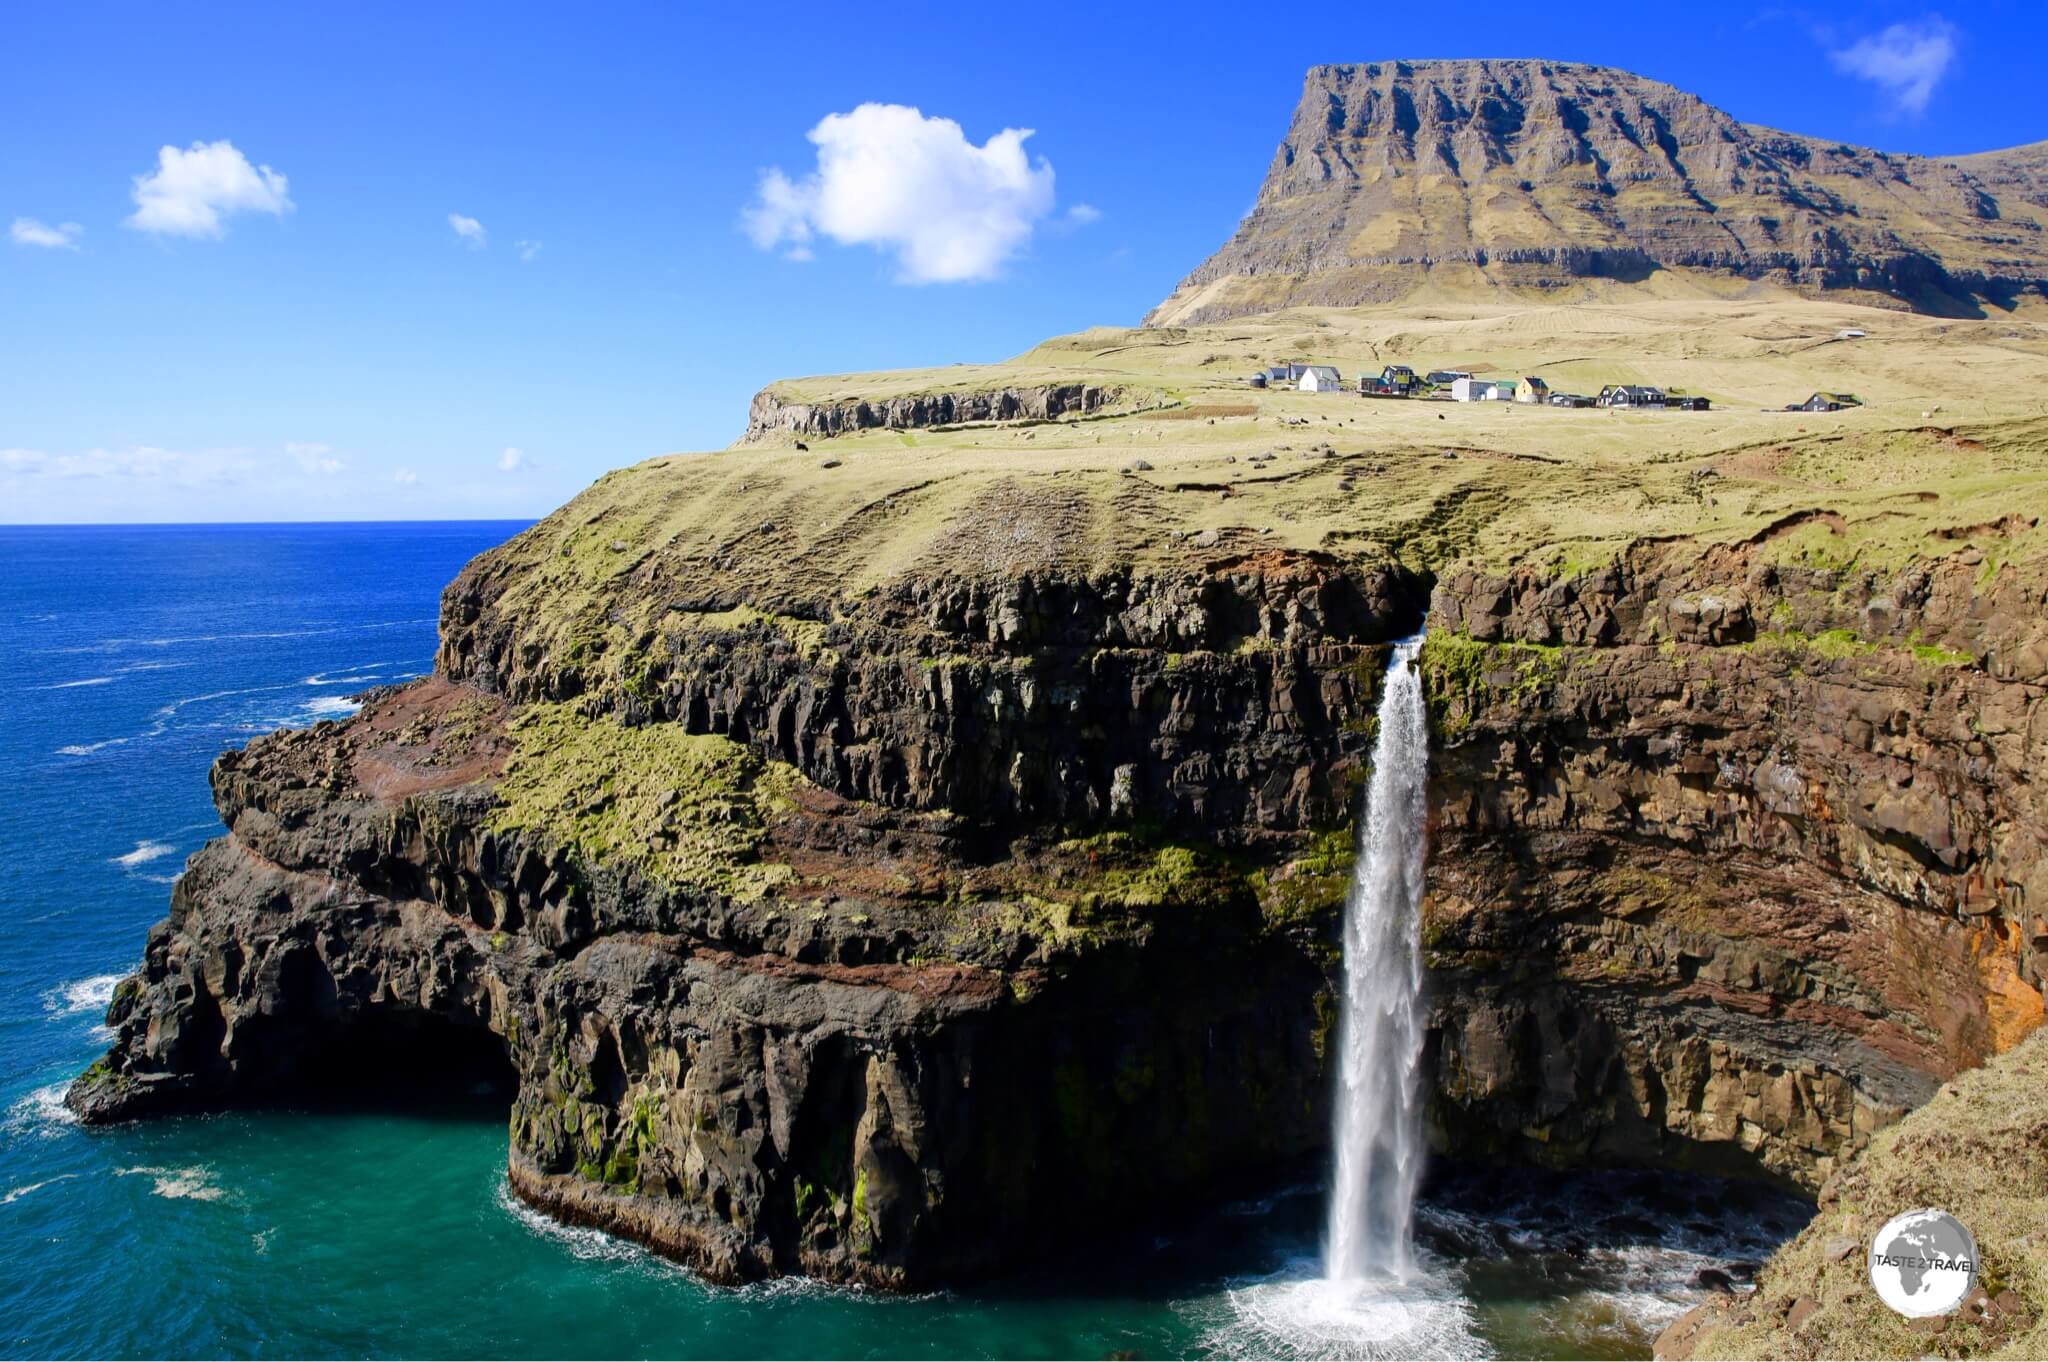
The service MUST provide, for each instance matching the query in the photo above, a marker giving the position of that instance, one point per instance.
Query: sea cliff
(896, 931)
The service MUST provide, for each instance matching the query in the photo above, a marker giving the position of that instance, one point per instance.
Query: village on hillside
(1399, 381)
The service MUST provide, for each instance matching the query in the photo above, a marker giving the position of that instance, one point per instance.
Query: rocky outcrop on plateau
(1532, 175)
(899, 935)
(773, 415)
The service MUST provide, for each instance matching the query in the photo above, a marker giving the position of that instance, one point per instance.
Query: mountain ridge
(1527, 176)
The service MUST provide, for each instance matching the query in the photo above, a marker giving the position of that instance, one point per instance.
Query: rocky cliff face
(1979, 1150)
(773, 415)
(893, 936)
(1738, 859)
(1531, 175)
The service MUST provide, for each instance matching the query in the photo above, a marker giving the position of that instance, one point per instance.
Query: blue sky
(458, 260)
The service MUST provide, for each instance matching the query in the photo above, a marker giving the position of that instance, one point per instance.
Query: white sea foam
(161, 720)
(17, 1193)
(591, 1245)
(86, 749)
(1303, 1317)
(331, 706)
(115, 645)
(167, 711)
(192, 1183)
(82, 995)
(74, 685)
(355, 672)
(145, 852)
(41, 1113)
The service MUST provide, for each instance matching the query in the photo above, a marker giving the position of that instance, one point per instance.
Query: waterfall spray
(1379, 1046)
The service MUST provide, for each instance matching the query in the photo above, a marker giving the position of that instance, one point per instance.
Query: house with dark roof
(1632, 396)
(1533, 391)
(1570, 400)
(1827, 402)
(1444, 378)
(1397, 376)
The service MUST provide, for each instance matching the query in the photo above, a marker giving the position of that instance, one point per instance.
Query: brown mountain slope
(1486, 176)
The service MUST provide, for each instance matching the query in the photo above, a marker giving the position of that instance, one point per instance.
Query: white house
(1321, 378)
(1470, 389)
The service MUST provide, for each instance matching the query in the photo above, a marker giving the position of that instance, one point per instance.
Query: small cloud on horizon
(910, 186)
(514, 460)
(468, 231)
(191, 191)
(405, 477)
(34, 232)
(139, 463)
(1905, 60)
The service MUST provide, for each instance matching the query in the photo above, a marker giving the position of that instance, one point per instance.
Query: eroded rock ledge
(772, 415)
(895, 937)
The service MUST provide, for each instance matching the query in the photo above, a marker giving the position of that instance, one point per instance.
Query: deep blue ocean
(130, 658)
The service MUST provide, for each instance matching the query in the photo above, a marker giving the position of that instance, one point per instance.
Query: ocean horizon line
(259, 524)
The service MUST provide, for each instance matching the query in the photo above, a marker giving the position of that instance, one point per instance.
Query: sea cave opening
(411, 1061)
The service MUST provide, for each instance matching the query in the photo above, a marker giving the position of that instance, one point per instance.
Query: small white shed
(1321, 378)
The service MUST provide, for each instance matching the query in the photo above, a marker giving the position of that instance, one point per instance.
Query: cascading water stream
(1379, 1046)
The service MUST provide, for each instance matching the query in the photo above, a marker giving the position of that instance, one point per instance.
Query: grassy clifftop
(1948, 451)
(1947, 455)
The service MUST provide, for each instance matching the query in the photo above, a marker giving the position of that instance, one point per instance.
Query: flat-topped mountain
(1475, 177)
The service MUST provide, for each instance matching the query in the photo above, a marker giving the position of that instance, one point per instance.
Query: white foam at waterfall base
(1309, 1317)
(1380, 1026)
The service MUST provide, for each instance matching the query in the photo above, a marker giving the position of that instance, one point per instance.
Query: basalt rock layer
(774, 415)
(1536, 175)
(894, 936)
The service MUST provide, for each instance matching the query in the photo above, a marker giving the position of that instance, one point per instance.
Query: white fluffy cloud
(405, 477)
(190, 191)
(316, 460)
(30, 232)
(529, 251)
(1906, 61)
(891, 178)
(514, 460)
(469, 231)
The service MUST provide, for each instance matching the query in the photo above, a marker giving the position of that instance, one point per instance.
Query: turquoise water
(133, 657)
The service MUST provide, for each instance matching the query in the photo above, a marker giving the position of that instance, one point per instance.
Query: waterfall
(1379, 1034)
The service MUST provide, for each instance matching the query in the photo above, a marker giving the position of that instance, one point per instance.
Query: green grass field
(1949, 454)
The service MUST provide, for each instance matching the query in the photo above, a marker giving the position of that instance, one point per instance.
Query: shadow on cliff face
(416, 1063)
